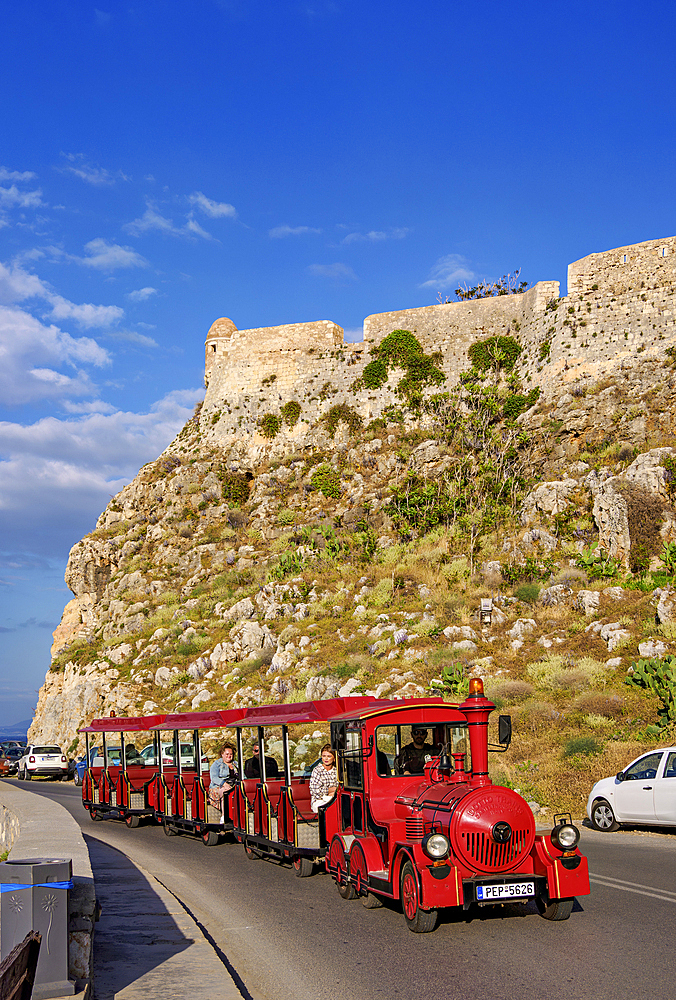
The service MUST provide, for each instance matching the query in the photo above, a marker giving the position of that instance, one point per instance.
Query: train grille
(415, 828)
(188, 809)
(483, 850)
(136, 800)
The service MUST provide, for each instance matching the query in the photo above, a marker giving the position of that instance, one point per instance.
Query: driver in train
(252, 766)
(415, 755)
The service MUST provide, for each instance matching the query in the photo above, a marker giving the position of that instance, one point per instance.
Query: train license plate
(511, 890)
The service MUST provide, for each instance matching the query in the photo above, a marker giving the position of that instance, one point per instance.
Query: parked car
(643, 793)
(43, 761)
(187, 755)
(12, 744)
(9, 761)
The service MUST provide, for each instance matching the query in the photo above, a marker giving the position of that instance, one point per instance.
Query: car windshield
(47, 750)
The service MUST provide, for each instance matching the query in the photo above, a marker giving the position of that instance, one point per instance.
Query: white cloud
(88, 172)
(332, 271)
(16, 175)
(12, 197)
(108, 256)
(86, 314)
(376, 236)
(133, 337)
(193, 226)
(153, 220)
(141, 294)
(280, 231)
(447, 271)
(214, 209)
(31, 352)
(57, 475)
(16, 285)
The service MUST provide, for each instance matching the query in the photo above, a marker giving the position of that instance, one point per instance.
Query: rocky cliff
(330, 518)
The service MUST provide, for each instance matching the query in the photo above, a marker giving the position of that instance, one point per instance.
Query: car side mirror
(620, 775)
(504, 730)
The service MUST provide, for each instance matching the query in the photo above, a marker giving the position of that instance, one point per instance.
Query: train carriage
(167, 780)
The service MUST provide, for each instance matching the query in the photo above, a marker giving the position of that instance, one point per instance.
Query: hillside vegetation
(357, 565)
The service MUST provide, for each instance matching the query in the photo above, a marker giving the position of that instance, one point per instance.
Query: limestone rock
(614, 635)
(460, 632)
(548, 498)
(163, 676)
(118, 654)
(653, 648)
(464, 646)
(666, 607)
(610, 514)
(243, 609)
(647, 470)
(320, 688)
(614, 593)
(558, 593)
(200, 699)
(587, 601)
(349, 686)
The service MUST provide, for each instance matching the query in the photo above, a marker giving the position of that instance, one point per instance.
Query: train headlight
(566, 837)
(436, 846)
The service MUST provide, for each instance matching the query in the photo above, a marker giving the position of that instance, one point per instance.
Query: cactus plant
(658, 676)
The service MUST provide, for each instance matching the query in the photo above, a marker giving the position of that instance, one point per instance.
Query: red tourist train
(445, 837)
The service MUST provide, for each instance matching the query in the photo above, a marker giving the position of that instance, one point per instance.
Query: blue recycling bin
(34, 894)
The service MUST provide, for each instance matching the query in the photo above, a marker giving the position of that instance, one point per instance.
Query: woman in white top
(324, 779)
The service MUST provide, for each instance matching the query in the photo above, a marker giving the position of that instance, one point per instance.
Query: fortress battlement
(620, 303)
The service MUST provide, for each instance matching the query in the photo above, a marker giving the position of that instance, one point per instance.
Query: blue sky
(163, 164)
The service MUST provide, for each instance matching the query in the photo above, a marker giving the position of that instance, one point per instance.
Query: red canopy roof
(215, 719)
(123, 724)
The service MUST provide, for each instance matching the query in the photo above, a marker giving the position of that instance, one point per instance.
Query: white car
(42, 761)
(643, 793)
(187, 755)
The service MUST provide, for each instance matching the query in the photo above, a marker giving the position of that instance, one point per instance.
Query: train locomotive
(416, 822)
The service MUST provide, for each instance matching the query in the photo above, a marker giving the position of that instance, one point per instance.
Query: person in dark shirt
(252, 766)
(414, 756)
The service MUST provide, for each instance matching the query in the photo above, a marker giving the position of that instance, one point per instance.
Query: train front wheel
(419, 921)
(132, 821)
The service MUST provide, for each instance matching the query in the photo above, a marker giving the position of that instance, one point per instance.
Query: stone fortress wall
(620, 304)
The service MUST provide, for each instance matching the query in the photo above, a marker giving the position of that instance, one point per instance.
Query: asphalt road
(297, 939)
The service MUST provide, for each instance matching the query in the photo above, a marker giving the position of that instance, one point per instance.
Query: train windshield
(404, 750)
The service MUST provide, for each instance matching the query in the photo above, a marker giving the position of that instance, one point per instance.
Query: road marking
(637, 887)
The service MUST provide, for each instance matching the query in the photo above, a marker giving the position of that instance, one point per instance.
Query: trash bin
(34, 897)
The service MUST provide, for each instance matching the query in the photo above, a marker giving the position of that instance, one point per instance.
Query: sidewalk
(145, 944)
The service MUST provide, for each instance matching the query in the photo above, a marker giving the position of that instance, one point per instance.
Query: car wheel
(603, 817)
(419, 921)
(77, 780)
(559, 909)
(27, 775)
(21, 775)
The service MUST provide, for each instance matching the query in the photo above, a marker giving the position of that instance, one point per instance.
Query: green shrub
(236, 487)
(291, 412)
(270, 425)
(401, 349)
(527, 592)
(327, 480)
(497, 353)
(517, 403)
(644, 518)
(582, 746)
(345, 413)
